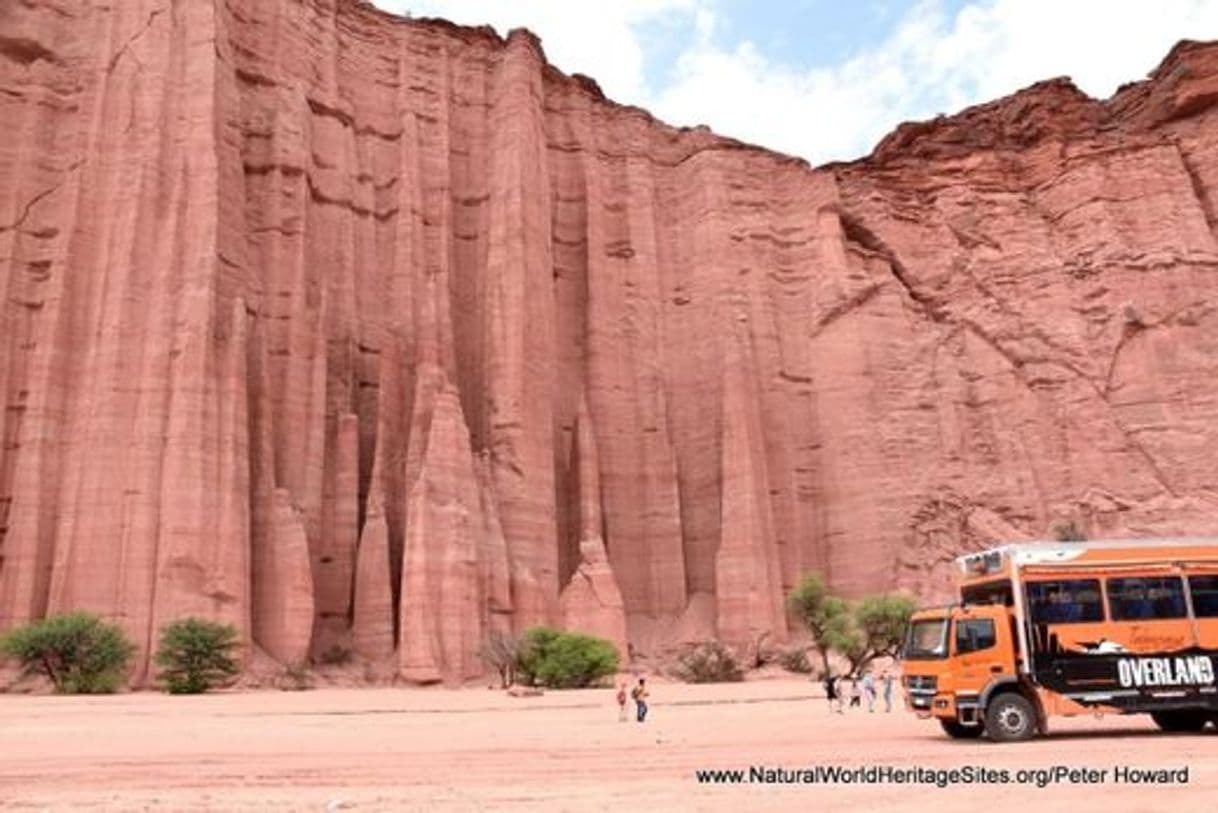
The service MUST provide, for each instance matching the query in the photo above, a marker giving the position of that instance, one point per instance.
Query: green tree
(78, 652)
(859, 631)
(826, 616)
(881, 622)
(564, 660)
(196, 655)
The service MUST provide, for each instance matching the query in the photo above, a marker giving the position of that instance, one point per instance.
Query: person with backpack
(639, 695)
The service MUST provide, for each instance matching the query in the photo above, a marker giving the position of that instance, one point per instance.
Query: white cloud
(931, 63)
(597, 39)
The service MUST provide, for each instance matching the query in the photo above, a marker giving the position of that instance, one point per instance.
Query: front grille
(921, 683)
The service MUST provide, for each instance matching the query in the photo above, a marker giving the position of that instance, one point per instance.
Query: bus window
(974, 634)
(1147, 597)
(995, 592)
(1067, 601)
(1204, 590)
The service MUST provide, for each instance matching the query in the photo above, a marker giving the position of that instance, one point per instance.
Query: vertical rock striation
(379, 334)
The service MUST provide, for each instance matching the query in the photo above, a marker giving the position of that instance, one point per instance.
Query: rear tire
(1186, 721)
(1010, 717)
(961, 732)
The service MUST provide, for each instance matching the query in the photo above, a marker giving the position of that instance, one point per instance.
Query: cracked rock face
(376, 335)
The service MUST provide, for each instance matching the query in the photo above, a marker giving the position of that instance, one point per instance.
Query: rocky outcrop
(283, 596)
(446, 590)
(372, 617)
(591, 601)
(378, 334)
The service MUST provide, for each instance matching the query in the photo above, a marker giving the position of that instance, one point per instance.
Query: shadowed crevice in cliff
(1204, 200)
(36, 199)
(126, 47)
(26, 51)
(855, 231)
(843, 308)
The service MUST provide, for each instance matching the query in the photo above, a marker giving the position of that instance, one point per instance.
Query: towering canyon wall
(373, 334)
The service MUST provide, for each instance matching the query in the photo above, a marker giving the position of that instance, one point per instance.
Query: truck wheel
(961, 732)
(1010, 717)
(1185, 720)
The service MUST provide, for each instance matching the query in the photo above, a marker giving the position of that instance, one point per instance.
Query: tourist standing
(621, 702)
(888, 679)
(856, 693)
(869, 690)
(639, 694)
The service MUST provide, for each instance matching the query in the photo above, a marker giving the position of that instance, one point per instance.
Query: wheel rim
(1011, 719)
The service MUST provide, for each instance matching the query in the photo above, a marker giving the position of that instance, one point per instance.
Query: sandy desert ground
(474, 749)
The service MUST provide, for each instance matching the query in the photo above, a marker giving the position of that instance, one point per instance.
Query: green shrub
(564, 660)
(859, 631)
(533, 648)
(708, 662)
(78, 652)
(196, 655)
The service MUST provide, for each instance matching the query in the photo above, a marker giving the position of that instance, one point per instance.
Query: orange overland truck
(1121, 627)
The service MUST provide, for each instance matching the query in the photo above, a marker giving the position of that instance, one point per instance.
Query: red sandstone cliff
(379, 334)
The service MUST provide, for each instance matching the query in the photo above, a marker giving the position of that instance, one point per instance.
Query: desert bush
(564, 660)
(296, 677)
(78, 652)
(501, 651)
(708, 662)
(796, 660)
(1068, 530)
(196, 655)
(533, 648)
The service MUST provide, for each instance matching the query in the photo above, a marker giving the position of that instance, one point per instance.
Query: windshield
(927, 639)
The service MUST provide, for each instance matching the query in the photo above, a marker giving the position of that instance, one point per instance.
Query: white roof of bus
(1049, 552)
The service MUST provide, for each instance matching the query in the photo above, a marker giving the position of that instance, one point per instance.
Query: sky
(827, 79)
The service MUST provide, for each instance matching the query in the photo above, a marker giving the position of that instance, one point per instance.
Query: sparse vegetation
(796, 660)
(1068, 530)
(296, 677)
(501, 651)
(564, 660)
(708, 662)
(196, 655)
(78, 652)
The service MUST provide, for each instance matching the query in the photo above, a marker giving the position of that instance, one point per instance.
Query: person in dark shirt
(832, 694)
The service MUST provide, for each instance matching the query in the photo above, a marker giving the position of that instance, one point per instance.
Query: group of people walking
(859, 688)
(865, 687)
